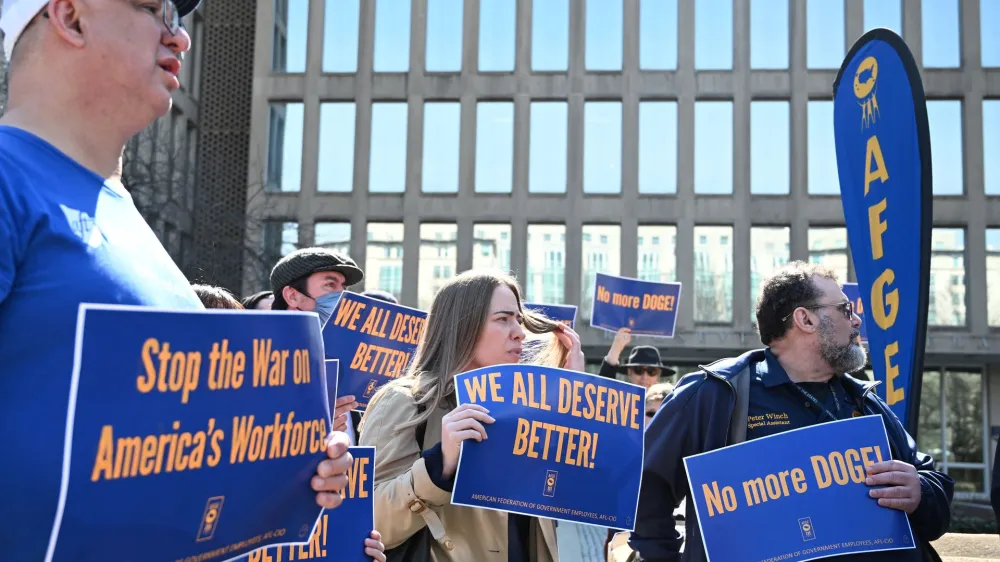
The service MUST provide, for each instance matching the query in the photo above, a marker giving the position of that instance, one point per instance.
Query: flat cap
(307, 261)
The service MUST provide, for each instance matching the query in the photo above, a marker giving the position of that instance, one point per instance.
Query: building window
(284, 147)
(657, 146)
(944, 118)
(825, 35)
(991, 146)
(550, 36)
(828, 247)
(989, 21)
(657, 254)
(713, 147)
(946, 299)
(392, 36)
(769, 34)
(288, 49)
(279, 239)
(940, 31)
(884, 13)
(438, 260)
(604, 34)
(770, 148)
(442, 133)
(951, 428)
(713, 274)
(602, 147)
(444, 36)
(658, 35)
(548, 146)
(340, 35)
(769, 249)
(993, 275)
(494, 147)
(713, 34)
(387, 159)
(546, 278)
(601, 253)
(336, 147)
(822, 159)
(384, 254)
(333, 235)
(497, 35)
(491, 249)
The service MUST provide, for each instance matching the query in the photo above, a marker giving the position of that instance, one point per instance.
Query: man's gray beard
(841, 358)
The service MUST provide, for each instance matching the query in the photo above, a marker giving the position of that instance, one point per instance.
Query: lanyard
(836, 400)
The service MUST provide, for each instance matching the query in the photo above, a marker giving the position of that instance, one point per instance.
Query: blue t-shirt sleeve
(10, 240)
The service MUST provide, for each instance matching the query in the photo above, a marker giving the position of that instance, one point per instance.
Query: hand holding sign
(902, 489)
(464, 422)
(344, 405)
(331, 475)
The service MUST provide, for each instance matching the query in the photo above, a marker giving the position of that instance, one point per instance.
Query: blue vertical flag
(854, 294)
(884, 164)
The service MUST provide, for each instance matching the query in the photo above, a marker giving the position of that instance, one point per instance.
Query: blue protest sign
(803, 489)
(884, 165)
(574, 440)
(341, 533)
(648, 308)
(565, 313)
(332, 382)
(374, 341)
(190, 435)
(854, 294)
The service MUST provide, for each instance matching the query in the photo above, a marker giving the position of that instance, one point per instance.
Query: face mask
(325, 305)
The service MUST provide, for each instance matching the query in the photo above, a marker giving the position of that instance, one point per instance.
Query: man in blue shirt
(84, 77)
(812, 339)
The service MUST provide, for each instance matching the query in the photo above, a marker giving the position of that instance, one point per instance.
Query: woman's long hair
(455, 323)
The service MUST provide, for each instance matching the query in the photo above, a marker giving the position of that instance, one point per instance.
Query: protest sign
(648, 308)
(803, 489)
(884, 166)
(854, 295)
(332, 383)
(374, 341)
(191, 435)
(341, 532)
(574, 440)
(565, 313)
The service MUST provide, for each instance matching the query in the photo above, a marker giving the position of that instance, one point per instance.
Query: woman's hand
(464, 422)
(622, 339)
(343, 408)
(375, 548)
(571, 341)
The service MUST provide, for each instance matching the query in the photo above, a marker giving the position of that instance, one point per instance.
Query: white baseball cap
(16, 15)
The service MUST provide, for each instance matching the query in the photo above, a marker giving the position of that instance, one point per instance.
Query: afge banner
(374, 341)
(648, 308)
(565, 445)
(803, 489)
(341, 533)
(190, 435)
(884, 164)
(565, 313)
(854, 294)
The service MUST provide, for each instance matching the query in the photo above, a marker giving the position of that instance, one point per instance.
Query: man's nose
(855, 320)
(178, 42)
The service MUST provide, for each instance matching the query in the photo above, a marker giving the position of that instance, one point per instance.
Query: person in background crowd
(995, 487)
(811, 334)
(476, 320)
(644, 367)
(380, 295)
(84, 77)
(259, 301)
(216, 297)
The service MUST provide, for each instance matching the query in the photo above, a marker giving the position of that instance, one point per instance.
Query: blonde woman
(476, 320)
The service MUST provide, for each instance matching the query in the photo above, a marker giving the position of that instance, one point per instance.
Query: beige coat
(406, 499)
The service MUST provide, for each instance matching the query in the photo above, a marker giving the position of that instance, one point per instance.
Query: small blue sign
(804, 489)
(854, 295)
(574, 440)
(175, 418)
(647, 308)
(374, 341)
(565, 313)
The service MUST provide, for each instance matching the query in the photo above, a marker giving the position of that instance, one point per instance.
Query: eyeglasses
(846, 308)
(648, 371)
(171, 18)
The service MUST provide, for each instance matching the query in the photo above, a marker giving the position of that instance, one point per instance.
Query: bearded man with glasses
(799, 379)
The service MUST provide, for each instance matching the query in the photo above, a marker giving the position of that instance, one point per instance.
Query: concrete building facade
(346, 148)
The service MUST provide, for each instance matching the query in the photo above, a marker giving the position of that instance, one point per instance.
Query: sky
(657, 145)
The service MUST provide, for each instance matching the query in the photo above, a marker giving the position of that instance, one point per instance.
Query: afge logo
(550, 484)
(210, 520)
(806, 526)
(864, 90)
(370, 389)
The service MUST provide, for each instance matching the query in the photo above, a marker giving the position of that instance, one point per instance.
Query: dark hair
(251, 302)
(216, 297)
(789, 287)
(299, 285)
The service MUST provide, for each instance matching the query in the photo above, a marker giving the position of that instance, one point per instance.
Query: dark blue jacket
(699, 416)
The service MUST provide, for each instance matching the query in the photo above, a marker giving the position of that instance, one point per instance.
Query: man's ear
(291, 297)
(804, 320)
(65, 17)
